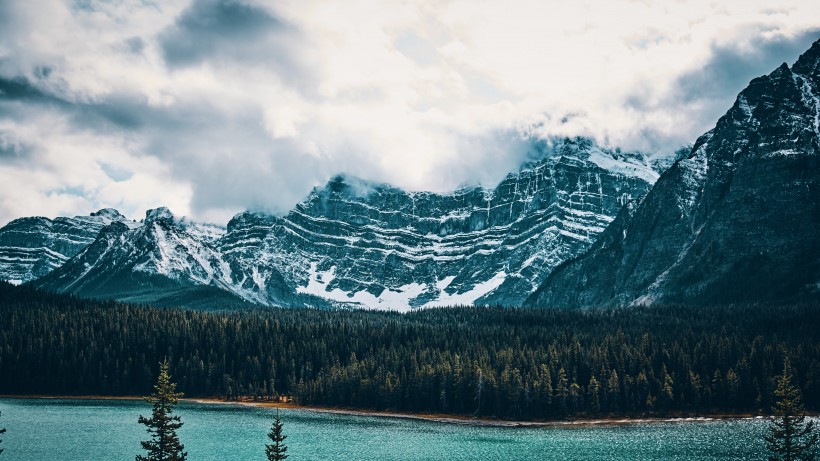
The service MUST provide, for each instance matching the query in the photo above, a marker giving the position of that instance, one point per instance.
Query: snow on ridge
(623, 167)
(204, 231)
(809, 99)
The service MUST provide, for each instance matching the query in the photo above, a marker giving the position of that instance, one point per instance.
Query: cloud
(232, 30)
(65, 170)
(215, 106)
(732, 65)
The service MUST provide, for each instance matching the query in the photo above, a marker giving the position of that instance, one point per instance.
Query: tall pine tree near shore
(276, 451)
(791, 437)
(162, 425)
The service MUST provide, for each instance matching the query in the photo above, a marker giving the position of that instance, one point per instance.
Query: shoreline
(430, 417)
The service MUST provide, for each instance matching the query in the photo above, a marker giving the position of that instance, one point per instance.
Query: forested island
(523, 364)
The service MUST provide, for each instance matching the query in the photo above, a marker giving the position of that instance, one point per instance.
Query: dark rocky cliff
(738, 220)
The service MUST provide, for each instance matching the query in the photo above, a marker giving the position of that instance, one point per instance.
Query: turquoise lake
(91, 430)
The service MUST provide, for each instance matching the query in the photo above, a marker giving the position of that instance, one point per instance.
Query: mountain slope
(376, 246)
(738, 220)
(161, 261)
(32, 247)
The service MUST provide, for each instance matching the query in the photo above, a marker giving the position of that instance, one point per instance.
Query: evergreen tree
(2, 431)
(667, 396)
(791, 437)
(479, 391)
(614, 391)
(162, 426)
(593, 398)
(561, 393)
(277, 450)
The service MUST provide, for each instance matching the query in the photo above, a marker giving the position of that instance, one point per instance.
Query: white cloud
(60, 172)
(220, 105)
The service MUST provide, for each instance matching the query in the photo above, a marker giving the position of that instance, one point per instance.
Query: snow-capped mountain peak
(33, 247)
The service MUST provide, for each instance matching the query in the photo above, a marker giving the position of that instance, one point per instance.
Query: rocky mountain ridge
(382, 247)
(353, 243)
(32, 247)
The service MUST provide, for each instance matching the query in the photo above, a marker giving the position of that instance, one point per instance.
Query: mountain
(355, 243)
(737, 220)
(381, 247)
(32, 247)
(162, 261)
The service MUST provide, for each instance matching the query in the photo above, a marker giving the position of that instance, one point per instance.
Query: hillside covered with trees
(489, 362)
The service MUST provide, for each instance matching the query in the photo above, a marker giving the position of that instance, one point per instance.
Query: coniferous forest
(487, 362)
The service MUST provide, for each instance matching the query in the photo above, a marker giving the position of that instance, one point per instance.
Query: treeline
(506, 363)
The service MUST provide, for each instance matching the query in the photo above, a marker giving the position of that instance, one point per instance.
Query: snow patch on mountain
(467, 298)
(398, 300)
(625, 166)
(203, 232)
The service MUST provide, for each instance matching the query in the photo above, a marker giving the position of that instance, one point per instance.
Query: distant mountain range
(736, 219)
(349, 243)
(32, 247)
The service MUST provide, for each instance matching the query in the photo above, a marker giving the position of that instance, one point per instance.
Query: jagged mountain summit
(162, 260)
(381, 247)
(354, 243)
(32, 247)
(738, 220)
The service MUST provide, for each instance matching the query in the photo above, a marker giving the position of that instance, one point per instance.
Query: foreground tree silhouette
(791, 437)
(2, 431)
(162, 426)
(277, 450)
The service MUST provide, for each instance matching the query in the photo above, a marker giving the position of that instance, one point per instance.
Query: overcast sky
(211, 107)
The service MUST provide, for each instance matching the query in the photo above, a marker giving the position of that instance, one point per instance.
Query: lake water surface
(92, 430)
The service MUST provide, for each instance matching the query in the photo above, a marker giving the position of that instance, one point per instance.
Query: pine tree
(791, 437)
(162, 426)
(277, 450)
(667, 396)
(2, 431)
(594, 399)
(479, 391)
(561, 393)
